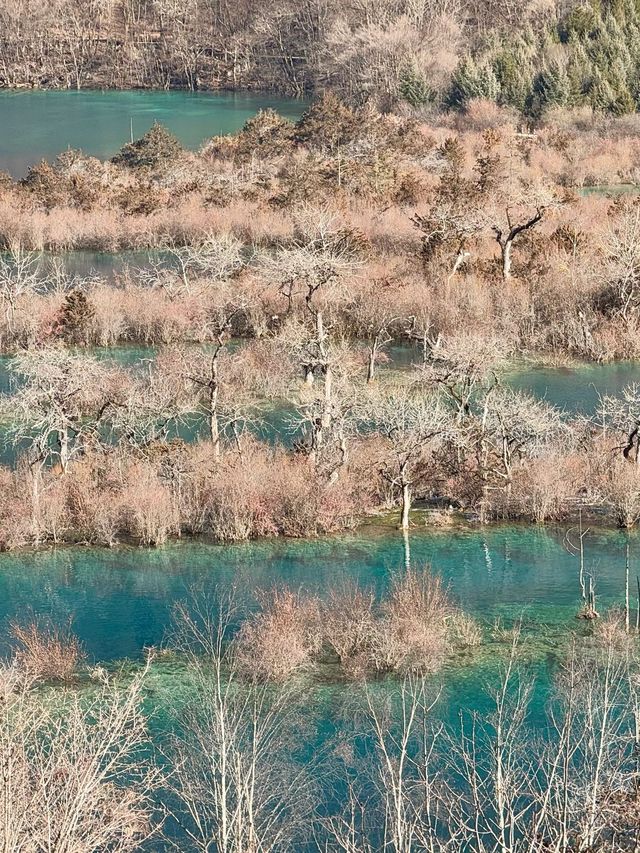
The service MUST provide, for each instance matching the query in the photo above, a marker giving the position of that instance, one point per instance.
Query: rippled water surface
(121, 599)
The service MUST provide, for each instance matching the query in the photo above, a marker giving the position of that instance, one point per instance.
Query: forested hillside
(428, 54)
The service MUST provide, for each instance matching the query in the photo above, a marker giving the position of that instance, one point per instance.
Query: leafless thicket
(75, 770)
(45, 651)
(411, 628)
(236, 779)
(496, 784)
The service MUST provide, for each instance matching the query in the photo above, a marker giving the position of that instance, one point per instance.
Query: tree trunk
(506, 260)
(63, 448)
(327, 414)
(406, 505)
(214, 426)
(371, 365)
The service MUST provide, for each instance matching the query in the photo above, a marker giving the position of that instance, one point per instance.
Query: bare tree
(75, 777)
(20, 273)
(621, 269)
(489, 783)
(236, 787)
(153, 402)
(506, 235)
(622, 415)
(312, 269)
(185, 269)
(60, 402)
(461, 366)
(520, 427)
(415, 426)
(374, 318)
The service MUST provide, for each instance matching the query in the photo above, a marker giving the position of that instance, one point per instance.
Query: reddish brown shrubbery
(282, 638)
(111, 497)
(410, 630)
(559, 299)
(46, 652)
(350, 628)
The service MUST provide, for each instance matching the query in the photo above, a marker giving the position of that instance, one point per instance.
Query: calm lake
(37, 125)
(121, 599)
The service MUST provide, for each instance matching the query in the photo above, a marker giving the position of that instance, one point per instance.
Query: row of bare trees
(239, 769)
(364, 49)
(447, 430)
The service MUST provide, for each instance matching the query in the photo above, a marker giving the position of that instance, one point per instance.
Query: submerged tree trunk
(214, 426)
(407, 500)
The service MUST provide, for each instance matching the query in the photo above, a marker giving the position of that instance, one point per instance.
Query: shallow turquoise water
(121, 600)
(38, 125)
(575, 389)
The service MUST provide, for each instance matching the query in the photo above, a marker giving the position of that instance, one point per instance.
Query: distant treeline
(435, 54)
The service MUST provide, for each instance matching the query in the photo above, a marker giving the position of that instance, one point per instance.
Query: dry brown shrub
(268, 491)
(620, 488)
(94, 500)
(481, 114)
(610, 631)
(149, 506)
(411, 630)
(45, 651)
(464, 631)
(415, 617)
(15, 510)
(541, 489)
(351, 629)
(282, 638)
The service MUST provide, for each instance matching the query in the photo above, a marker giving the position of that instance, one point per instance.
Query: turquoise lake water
(121, 599)
(37, 125)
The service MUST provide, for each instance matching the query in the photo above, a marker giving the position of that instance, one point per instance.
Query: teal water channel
(121, 601)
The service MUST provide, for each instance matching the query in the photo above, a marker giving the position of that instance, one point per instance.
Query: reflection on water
(121, 599)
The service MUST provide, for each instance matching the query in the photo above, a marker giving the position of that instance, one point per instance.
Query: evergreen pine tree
(465, 84)
(579, 73)
(414, 88)
(514, 72)
(551, 88)
(601, 95)
(156, 147)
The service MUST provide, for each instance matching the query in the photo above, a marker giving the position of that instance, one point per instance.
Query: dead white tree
(75, 775)
(312, 270)
(415, 425)
(238, 787)
(60, 401)
(519, 427)
(20, 274)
